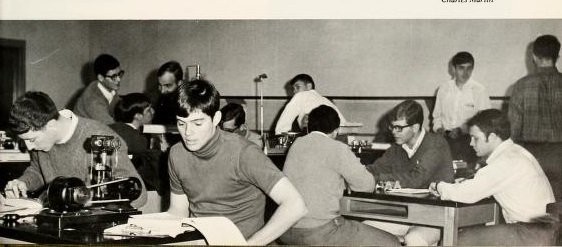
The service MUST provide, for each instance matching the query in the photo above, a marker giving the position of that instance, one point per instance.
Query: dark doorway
(12, 76)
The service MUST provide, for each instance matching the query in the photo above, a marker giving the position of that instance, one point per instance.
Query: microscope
(103, 198)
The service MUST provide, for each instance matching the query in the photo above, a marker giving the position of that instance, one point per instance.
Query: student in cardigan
(513, 177)
(131, 113)
(214, 172)
(234, 120)
(100, 96)
(305, 99)
(415, 160)
(56, 143)
(320, 168)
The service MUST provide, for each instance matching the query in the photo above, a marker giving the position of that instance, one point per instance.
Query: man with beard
(170, 75)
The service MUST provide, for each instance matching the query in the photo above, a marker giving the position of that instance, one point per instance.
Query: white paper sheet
(409, 191)
(21, 206)
(217, 230)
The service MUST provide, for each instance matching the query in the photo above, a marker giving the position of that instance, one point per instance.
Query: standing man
(214, 172)
(170, 76)
(417, 159)
(56, 142)
(305, 99)
(100, 96)
(535, 111)
(458, 100)
(320, 167)
(513, 177)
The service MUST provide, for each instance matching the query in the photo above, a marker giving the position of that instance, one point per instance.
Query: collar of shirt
(132, 125)
(320, 133)
(74, 122)
(498, 150)
(106, 93)
(414, 149)
(467, 86)
(546, 69)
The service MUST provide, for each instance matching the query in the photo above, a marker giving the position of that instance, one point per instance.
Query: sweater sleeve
(355, 173)
(382, 164)
(32, 175)
(514, 113)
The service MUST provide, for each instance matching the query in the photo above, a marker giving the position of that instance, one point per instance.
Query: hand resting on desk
(14, 188)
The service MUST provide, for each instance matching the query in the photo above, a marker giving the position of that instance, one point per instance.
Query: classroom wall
(56, 52)
(388, 58)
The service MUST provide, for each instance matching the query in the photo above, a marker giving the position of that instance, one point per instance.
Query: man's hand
(433, 189)
(14, 188)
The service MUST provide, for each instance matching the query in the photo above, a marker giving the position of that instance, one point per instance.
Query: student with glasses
(100, 97)
(415, 160)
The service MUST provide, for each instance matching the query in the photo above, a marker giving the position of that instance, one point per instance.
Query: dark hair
(32, 111)
(172, 67)
(304, 78)
(198, 94)
(324, 119)
(104, 63)
(233, 111)
(547, 46)
(462, 58)
(409, 110)
(491, 121)
(129, 105)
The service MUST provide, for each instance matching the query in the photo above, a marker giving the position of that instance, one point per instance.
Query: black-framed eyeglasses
(398, 128)
(114, 77)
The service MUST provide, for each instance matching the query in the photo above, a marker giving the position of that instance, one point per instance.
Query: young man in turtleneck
(217, 173)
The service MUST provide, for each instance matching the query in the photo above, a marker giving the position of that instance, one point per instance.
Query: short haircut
(491, 121)
(547, 46)
(462, 58)
(324, 119)
(129, 105)
(104, 63)
(172, 67)
(198, 94)
(233, 111)
(31, 112)
(304, 78)
(409, 110)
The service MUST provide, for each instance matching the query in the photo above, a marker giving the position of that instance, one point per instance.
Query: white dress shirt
(513, 177)
(299, 106)
(106, 93)
(454, 105)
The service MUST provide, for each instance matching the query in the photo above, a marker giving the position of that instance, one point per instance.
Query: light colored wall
(346, 57)
(56, 52)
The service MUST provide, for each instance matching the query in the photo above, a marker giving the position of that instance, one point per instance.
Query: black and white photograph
(364, 123)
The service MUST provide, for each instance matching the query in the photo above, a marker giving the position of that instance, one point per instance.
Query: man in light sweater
(513, 177)
(320, 167)
(57, 141)
(305, 99)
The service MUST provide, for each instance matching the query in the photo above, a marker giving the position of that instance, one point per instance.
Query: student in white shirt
(458, 100)
(512, 176)
(305, 99)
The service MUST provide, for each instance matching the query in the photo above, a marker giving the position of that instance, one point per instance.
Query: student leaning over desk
(513, 177)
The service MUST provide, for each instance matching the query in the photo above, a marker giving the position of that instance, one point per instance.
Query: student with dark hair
(320, 167)
(56, 143)
(234, 120)
(305, 99)
(415, 160)
(100, 96)
(217, 173)
(535, 111)
(170, 76)
(513, 177)
(131, 113)
(458, 100)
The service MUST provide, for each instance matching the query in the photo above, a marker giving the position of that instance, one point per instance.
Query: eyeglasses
(114, 77)
(398, 128)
